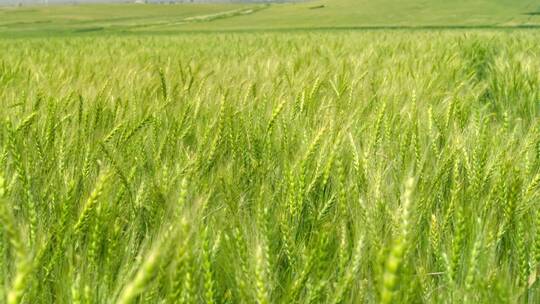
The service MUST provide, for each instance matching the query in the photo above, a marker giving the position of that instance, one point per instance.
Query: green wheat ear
(23, 265)
(141, 279)
(91, 202)
(399, 245)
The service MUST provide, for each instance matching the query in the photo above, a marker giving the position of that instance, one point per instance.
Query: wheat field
(299, 167)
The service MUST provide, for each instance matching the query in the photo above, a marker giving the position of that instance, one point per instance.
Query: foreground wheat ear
(328, 167)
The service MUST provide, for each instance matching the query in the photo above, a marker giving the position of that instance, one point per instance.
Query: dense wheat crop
(329, 167)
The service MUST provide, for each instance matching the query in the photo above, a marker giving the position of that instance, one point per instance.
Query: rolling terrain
(337, 14)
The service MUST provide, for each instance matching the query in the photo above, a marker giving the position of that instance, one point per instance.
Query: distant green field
(54, 20)
(122, 18)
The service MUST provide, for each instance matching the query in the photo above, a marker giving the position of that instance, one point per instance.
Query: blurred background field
(338, 14)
